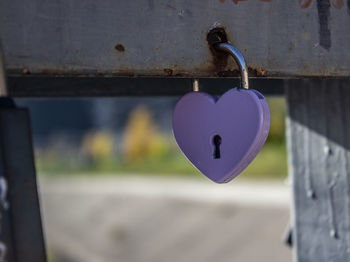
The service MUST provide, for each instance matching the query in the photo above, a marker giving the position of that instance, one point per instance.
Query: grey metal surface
(319, 147)
(24, 213)
(163, 38)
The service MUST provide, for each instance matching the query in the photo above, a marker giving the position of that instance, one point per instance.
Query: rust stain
(119, 47)
(252, 72)
(256, 72)
(219, 59)
(206, 70)
(168, 71)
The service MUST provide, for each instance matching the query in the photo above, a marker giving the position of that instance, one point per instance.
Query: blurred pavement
(153, 219)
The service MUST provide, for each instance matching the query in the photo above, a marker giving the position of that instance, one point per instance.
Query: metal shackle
(238, 57)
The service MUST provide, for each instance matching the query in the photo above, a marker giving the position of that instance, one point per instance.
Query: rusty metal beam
(169, 38)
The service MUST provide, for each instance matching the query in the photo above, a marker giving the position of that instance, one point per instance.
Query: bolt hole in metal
(217, 142)
(119, 47)
(216, 36)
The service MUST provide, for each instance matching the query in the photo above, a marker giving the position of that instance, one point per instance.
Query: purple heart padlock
(220, 137)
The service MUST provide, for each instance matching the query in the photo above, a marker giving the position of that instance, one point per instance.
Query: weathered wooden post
(319, 144)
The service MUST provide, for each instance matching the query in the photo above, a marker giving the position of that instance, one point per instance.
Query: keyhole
(216, 143)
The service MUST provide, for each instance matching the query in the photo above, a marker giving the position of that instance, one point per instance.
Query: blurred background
(114, 186)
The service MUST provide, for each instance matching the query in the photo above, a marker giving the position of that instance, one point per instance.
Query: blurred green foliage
(278, 113)
(143, 149)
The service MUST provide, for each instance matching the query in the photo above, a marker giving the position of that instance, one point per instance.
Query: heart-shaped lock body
(221, 137)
